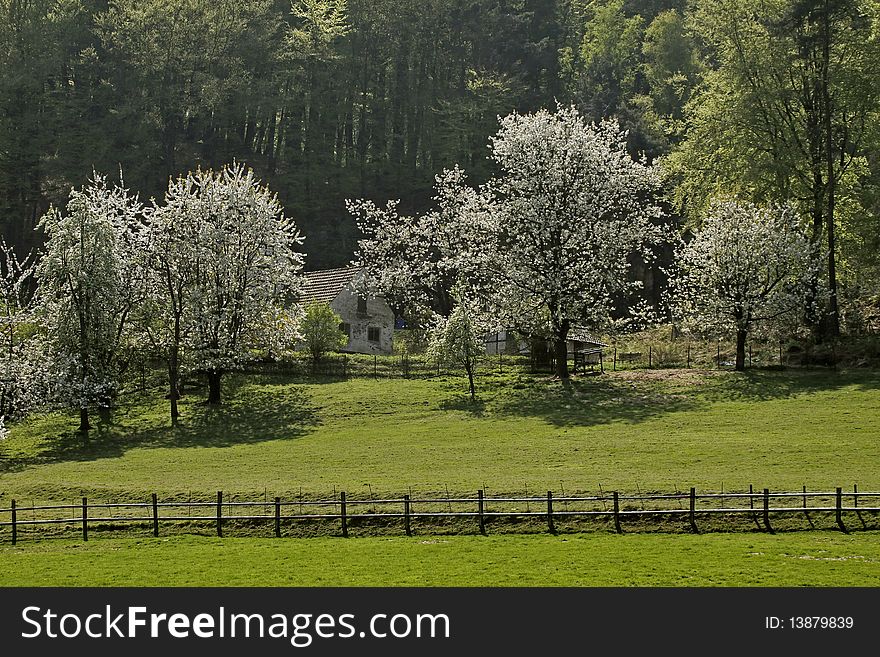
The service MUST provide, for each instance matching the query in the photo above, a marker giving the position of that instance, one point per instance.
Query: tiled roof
(325, 284)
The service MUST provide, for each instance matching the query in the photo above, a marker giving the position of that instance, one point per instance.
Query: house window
(345, 327)
(373, 333)
(362, 306)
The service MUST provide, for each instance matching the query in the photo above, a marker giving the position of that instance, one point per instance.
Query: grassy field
(635, 430)
(800, 559)
(657, 430)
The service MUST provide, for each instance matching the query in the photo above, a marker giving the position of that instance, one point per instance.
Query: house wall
(378, 315)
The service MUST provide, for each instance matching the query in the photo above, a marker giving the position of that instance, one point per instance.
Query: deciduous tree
(457, 340)
(746, 265)
(88, 285)
(227, 258)
(572, 207)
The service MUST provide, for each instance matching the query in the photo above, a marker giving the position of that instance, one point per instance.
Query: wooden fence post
(856, 504)
(480, 509)
(406, 524)
(689, 356)
(693, 510)
(277, 517)
(343, 514)
(550, 527)
(718, 357)
(220, 513)
(14, 520)
(767, 510)
(616, 513)
(807, 513)
(752, 506)
(155, 515)
(614, 362)
(650, 357)
(85, 518)
(838, 513)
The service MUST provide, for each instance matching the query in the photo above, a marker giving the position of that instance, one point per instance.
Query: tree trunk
(740, 350)
(832, 327)
(560, 348)
(173, 385)
(84, 425)
(469, 368)
(174, 370)
(214, 387)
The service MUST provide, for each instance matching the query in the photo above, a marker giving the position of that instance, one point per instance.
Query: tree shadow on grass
(581, 402)
(765, 385)
(475, 407)
(642, 395)
(248, 416)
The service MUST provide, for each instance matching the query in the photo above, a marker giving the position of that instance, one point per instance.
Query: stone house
(368, 322)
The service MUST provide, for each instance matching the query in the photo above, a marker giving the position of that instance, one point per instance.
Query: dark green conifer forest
(332, 99)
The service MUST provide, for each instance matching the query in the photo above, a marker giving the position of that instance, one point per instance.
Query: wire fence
(624, 354)
(338, 514)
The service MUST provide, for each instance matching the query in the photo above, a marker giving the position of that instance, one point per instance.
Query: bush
(321, 330)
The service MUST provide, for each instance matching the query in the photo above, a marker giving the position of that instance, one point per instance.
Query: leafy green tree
(320, 330)
(603, 69)
(671, 65)
(786, 112)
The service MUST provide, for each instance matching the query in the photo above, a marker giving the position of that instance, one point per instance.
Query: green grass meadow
(660, 430)
(797, 559)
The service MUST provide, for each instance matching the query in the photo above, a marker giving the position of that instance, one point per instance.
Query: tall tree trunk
(214, 387)
(84, 425)
(833, 322)
(740, 365)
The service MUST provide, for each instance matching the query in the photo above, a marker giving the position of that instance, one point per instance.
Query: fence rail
(754, 505)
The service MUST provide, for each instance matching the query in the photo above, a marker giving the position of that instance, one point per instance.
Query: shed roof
(580, 334)
(325, 284)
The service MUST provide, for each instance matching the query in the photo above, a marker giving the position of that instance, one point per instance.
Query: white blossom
(20, 372)
(89, 283)
(457, 340)
(746, 266)
(227, 268)
(415, 261)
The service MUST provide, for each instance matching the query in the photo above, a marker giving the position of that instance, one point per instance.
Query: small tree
(746, 265)
(457, 341)
(320, 330)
